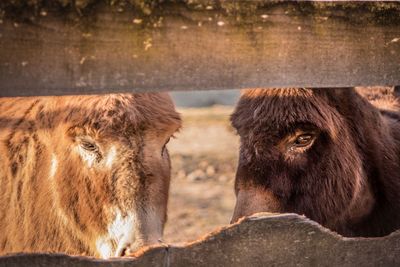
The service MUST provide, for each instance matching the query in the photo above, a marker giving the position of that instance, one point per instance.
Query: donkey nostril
(123, 251)
(120, 252)
(128, 251)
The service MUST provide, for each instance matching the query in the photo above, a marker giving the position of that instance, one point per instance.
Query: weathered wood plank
(179, 47)
(260, 240)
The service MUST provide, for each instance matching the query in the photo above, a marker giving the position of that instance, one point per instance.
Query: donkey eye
(89, 146)
(303, 140)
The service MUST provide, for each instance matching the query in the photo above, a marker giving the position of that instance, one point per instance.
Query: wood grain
(276, 44)
(259, 240)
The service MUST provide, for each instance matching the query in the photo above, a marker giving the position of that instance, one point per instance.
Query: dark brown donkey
(329, 154)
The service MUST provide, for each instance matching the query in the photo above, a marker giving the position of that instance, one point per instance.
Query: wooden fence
(97, 47)
(85, 47)
(260, 240)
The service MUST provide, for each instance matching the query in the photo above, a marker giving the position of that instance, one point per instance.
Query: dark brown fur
(348, 179)
(58, 196)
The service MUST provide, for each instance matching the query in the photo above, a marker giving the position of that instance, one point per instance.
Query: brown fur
(348, 179)
(52, 200)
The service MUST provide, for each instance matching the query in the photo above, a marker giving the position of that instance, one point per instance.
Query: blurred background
(205, 99)
(204, 157)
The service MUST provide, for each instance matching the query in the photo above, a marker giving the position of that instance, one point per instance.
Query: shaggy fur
(73, 165)
(347, 179)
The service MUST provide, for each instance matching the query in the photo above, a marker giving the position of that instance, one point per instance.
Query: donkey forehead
(121, 113)
(121, 127)
(277, 113)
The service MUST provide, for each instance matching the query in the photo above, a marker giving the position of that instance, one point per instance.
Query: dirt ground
(204, 157)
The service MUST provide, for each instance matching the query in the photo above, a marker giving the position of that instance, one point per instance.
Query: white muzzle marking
(123, 232)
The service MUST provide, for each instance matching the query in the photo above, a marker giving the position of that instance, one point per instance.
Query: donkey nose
(130, 249)
(126, 250)
(121, 251)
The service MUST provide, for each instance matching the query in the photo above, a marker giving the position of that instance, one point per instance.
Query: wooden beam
(177, 46)
(259, 240)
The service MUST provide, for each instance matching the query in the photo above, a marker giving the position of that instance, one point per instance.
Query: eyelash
(89, 146)
(299, 148)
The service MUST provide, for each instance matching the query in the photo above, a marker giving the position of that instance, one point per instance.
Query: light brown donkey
(84, 174)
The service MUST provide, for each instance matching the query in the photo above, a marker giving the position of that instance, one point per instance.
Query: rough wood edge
(84, 8)
(146, 254)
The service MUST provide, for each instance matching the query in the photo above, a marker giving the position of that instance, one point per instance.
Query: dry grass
(204, 157)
